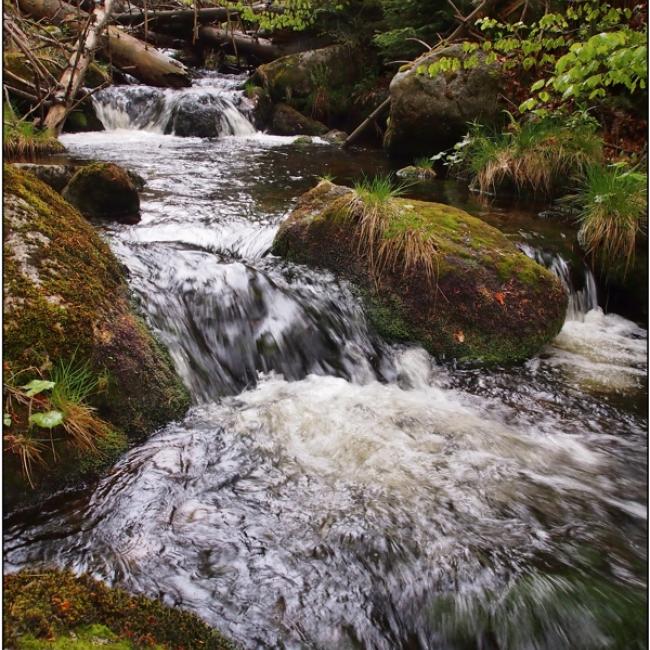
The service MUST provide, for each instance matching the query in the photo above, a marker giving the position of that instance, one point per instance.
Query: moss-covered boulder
(83, 119)
(321, 82)
(104, 191)
(65, 297)
(429, 273)
(429, 114)
(288, 121)
(55, 610)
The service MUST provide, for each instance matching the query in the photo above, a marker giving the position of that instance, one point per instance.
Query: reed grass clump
(612, 211)
(537, 156)
(385, 246)
(21, 140)
(423, 163)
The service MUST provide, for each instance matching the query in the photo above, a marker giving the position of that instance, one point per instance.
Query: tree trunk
(74, 74)
(144, 62)
(125, 51)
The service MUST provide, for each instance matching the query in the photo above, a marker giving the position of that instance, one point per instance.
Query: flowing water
(327, 489)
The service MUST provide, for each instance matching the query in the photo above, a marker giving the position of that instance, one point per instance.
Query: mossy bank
(65, 297)
(474, 297)
(57, 611)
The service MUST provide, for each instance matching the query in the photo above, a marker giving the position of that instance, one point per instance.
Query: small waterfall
(213, 107)
(581, 300)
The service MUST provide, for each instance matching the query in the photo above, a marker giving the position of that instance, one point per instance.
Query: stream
(328, 489)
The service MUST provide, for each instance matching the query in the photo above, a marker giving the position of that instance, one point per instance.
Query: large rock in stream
(320, 83)
(430, 114)
(288, 121)
(430, 273)
(65, 298)
(104, 191)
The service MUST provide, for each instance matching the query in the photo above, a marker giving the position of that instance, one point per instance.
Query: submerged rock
(413, 172)
(430, 114)
(335, 137)
(104, 191)
(65, 297)
(288, 121)
(198, 117)
(433, 274)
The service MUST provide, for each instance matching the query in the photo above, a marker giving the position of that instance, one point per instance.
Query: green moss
(520, 266)
(486, 302)
(48, 609)
(65, 296)
(81, 638)
(387, 318)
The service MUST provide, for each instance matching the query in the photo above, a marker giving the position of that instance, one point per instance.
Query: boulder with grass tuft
(429, 273)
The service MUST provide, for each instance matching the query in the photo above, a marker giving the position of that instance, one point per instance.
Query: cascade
(581, 300)
(212, 107)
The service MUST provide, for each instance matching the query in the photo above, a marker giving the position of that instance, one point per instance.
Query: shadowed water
(328, 490)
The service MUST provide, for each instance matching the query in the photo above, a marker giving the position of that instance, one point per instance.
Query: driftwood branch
(354, 136)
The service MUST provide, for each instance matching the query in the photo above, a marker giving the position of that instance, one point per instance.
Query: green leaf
(37, 386)
(6, 420)
(537, 85)
(528, 105)
(47, 419)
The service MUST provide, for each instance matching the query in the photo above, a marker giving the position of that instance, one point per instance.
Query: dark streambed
(328, 490)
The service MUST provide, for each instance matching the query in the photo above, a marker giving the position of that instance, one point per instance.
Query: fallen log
(73, 76)
(125, 51)
(240, 43)
(177, 19)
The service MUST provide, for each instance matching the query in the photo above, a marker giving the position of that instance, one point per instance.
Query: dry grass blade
(407, 252)
(373, 208)
(84, 426)
(29, 450)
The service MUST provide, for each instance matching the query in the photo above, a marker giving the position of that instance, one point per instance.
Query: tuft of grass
(538, 155)
(71, 384)
(373, 207)
(378, 189)
(612, 213)
(74, 383)
(29, 451)
(423, 163)
(21, 140)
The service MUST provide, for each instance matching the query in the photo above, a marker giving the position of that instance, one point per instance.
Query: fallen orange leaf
(500, 297)
(459, 337)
